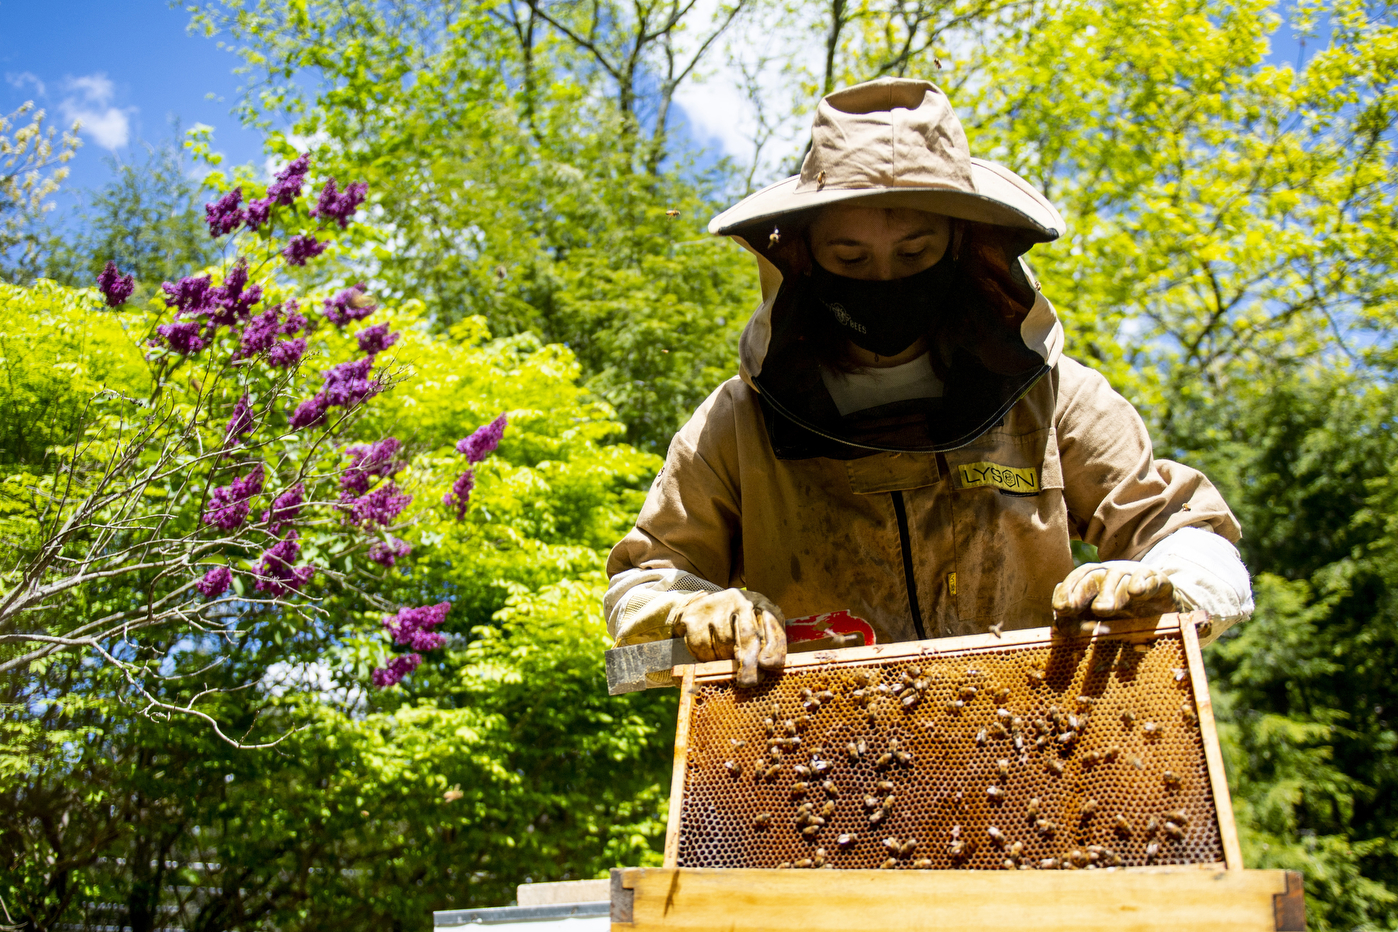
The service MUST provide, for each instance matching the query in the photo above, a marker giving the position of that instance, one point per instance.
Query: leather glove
(735, 624)
(1115, 589)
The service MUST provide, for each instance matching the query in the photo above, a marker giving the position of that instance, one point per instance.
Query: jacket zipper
(904, 539)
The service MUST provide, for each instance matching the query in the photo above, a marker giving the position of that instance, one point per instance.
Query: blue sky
(127, 67)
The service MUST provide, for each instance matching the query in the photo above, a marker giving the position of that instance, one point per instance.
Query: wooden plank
(685, 675)
(953, 901)
(949, 647)
(1208, 732)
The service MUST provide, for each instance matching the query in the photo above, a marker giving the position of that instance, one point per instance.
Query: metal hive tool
(1031, 751)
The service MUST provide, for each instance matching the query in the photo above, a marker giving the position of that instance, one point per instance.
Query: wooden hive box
(882, 779)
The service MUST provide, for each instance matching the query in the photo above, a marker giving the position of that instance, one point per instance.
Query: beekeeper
(905, 439)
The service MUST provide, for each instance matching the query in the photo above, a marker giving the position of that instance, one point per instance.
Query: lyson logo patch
(1005, 478)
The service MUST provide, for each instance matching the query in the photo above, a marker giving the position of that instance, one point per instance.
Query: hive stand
(933, 783)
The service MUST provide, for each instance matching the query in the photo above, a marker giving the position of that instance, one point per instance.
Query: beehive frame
(1139, 791)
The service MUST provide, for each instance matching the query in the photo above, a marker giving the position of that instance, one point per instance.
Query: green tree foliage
(148, 218)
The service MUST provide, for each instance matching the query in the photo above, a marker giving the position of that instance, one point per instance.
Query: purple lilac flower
(189, 296)
(215, 582)
(224, 215)
(294, 322)
(258, 335)
(285, 509)
(482, 441)
(377, 459)
(399, 667)
(258, 212)
(376, 339)
(228, 505)
(183, 337)
(287, 186)
(309, 413)
(233, 300)
(339, 206)
(115, 287)
(347, 384)
(303, 246)
(286, 353)
(412, 627)
(380, 506)
(389, 553)
(351, 304)
(460, 495)
(239, 424)
(276, 573)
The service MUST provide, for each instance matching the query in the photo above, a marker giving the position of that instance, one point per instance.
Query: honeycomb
(1077, 754)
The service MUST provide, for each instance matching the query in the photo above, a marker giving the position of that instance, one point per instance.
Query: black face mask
(884, 317)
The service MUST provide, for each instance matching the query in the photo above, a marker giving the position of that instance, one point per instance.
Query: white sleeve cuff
(1207, 573)
(640, 604)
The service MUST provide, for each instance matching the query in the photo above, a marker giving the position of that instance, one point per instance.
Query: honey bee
(860, 697)
(1008, 864)
(922, 864)
(981, 737)
(1092, 758)
(1111, 753)
(1128, 718)
(1016, 849)
(672, 213)
(1056, 767)
(862, 677)
(811, 831)
(1003, 767)
(907, 847)
(852, 751)
(883, 762)
(998, 731)
(905, 758)
(1089, 807)
(1172, 779)
(957, 849)
(1135, 761)
(774, 237)
(915, 671)
(968, 693)
(1152, 850)
(825, 695)
(877, 816)
(784, 866)
(1044, 827)
(819, 859)
(1077, 857)
(1034, 805)
(888, 802)
(1036, 677)
(1041, 726)
(803, 863)
(912, 699)
(998, 629)
(888, 864)
(894, 744)
(957, 705)
(772, 772)
(801, 770)
(798, 789)
(884, 786)
(828, 809)
(1178, 816)
(1150, 729)
(937, 61)
(762, 820)
(892, 844)
(1067, 738)
(994, 793)
(733, 767)
(996, 835)
(955, 832)
(820, 180)
(736, 743)
(769, 725)
(1173, 830)
(789, 727)
(1123, 825)
(1188, 714)
(830, 788)
(1085, 702)
(1049, 864)
(846, 839)
(1152, 826)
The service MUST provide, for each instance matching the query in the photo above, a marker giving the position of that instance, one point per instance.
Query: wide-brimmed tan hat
(895, 142)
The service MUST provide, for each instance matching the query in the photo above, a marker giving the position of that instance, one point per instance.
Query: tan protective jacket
(918, 544)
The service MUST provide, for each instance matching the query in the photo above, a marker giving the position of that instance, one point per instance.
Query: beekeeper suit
(930, 498)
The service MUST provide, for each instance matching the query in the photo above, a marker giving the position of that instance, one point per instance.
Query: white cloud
(26, 77)
(90, 94)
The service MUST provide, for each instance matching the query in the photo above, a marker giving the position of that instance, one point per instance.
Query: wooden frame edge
(672, 821)
(1208, 732)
